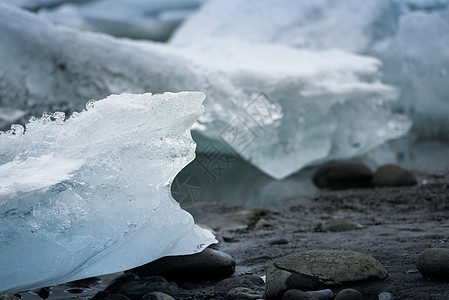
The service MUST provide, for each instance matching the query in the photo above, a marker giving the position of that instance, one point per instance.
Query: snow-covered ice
(90, 195)
(279, 107)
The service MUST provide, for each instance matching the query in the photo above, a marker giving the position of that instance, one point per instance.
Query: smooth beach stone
(317, 269)
(349, 294)
(385, 296)
(247, 281)
(391, 175)
(322, 294)
(339, 225)
(278, 241)
(297, 295)
(434, 263)
(138, 288)
(343, 176)
(208, 264)
(157, 296)
(243, 293)
(104, 295)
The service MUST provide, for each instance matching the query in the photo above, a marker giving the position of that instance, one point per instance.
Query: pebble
(385, 296)
(157, 296)
(206, 265)
(104, 295)
(138, 288)
(391, 175)
(248, 281)
(343, 176)
(339, 225)
(318, 269)
(434, 263)
(243, 293)
(322, 294)
(278, 241)
(44, 292)
(297, 295)
(349, 294)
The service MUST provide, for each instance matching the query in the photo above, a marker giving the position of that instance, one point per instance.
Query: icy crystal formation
(154, 19)
(90, 195)
(278, 107)
(410, 37)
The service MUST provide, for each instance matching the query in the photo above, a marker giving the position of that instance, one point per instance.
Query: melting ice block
(90, 195)
(278, 107)
(154, 19)
(410, 37)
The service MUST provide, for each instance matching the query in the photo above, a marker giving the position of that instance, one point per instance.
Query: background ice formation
(90, 195)
(409, 37)
(278, 107)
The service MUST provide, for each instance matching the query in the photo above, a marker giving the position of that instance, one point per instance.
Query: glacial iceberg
(410, 37)
(154, 20)
(90, 195)
(278, 107)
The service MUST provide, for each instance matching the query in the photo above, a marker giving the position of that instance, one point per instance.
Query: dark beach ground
(397, 224)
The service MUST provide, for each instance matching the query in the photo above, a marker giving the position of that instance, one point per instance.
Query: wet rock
(349, 294)
(239, 220)
(434, 263)
(247, 281)
(44, 292)
(279, 241)
(4, 296)
(157, 296)
(391, 175)
(138, 288)
(385, 296)
(243, 293)
(118, 282)
(206, 265)
(297, 295)
(322, 294)
(339, 225)
(318, 269)
(105, 295)
(343, 176)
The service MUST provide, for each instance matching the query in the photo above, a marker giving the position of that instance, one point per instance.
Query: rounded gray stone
(391, 175)
(317, 269)
(434, 263)
(157, 296)
(297, 295)
(349, 294)
(208, 264)
(243, 293)
(343, 176)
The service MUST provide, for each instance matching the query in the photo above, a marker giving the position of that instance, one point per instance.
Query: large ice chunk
(278, 107)
(145, 19)
(410, 37)
(90, 195)
(312, 24)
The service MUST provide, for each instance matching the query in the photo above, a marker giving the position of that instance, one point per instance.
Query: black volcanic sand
(398, 224)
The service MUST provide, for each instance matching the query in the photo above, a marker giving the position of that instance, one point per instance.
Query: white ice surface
(90, 195)
(410, 37)
(155, 19)
(279, 107)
